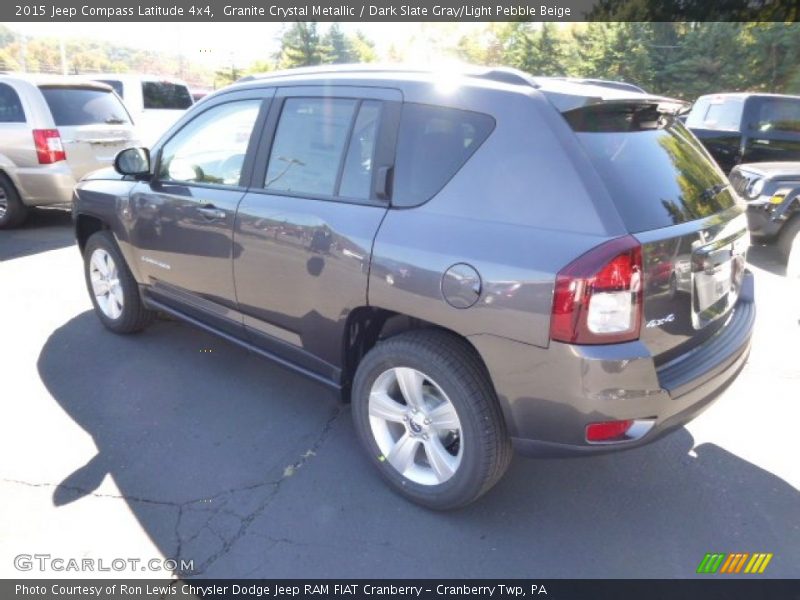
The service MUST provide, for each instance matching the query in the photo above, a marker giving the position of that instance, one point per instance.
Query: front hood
(773, 170)
(106, 173)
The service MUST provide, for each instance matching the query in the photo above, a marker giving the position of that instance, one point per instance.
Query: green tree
(336, 47)
(300, 46)
(363, 48)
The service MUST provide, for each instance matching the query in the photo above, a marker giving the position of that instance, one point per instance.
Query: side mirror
(133, 161)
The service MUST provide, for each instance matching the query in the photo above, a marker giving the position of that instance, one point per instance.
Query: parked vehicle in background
(467, 261)
(617, 85)
(198, 93)
(154, 102)
(772, 191)
(747, 128)
(54, 130)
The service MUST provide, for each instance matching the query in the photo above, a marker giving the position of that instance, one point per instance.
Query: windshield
(655, 170)
(84, 106)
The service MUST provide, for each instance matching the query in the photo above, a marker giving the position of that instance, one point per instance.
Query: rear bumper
(550, 395)
(44, 185)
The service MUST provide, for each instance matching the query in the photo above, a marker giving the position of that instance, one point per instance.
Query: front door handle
(211, 212)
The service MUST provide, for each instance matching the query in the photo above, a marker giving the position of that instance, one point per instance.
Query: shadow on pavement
(768, 258)
(256, 473)
(43, 230)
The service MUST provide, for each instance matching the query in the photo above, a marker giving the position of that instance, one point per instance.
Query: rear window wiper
(115, 120)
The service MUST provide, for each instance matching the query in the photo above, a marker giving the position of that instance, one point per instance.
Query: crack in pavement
(248, 519)
(200, 505)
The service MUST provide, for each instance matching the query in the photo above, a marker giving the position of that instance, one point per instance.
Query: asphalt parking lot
(173, 443)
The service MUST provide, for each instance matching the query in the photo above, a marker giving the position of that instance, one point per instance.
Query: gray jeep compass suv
(479, 261)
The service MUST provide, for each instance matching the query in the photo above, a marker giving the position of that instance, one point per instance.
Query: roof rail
(498, 74)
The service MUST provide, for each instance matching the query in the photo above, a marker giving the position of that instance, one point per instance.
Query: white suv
(155, 102)
(54, 130)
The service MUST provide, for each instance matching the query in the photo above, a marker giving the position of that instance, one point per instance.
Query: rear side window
(434, 142)
(324, 147)
(165, 95)
(72, 106)
(717, 113)
(114, 83)
(655, 170)
(778, 114)
(10, 106)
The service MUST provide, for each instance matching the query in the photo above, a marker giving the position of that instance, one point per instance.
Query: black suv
(747, 128)
(477, 261)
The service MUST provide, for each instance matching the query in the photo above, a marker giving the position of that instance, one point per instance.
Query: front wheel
(426, 412)
(112, 288)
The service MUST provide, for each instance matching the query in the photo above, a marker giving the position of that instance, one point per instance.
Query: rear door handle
(211, 212)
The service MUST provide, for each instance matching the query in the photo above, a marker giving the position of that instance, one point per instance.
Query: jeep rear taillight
(49, 148)
(598, 297)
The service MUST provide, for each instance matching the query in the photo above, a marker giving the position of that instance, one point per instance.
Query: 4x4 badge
(659, 322)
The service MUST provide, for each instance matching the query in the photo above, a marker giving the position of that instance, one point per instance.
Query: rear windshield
(656, 172)
(166, 95)
(84, 106)
(719, 113)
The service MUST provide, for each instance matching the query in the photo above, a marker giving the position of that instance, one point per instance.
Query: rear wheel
(426, 412)
(112, 288)
(12, 211)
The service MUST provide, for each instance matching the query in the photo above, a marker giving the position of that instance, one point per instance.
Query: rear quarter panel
(518, 211)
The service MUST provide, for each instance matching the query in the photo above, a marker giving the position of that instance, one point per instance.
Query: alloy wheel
(104, 277)
(415, 426)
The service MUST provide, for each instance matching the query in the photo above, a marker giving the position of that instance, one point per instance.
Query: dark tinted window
(656, 172)
(433, 143)
(165, 95)
(212, 147)
(309, 145)
(114, 83)
(778, 114)
(84, 106)
(357, 174)
(720, 113)
(10, 105)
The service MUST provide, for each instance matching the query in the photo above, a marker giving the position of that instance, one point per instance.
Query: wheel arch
(87, 225)
(368, 325)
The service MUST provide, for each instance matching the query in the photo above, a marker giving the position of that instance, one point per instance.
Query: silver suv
(54, 130)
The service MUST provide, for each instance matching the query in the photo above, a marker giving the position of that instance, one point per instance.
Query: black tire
(15, 211)
(456, 368)
(133, 316)
(787, 235)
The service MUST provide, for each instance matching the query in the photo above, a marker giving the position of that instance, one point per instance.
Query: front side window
(211, 148)
(10, 106)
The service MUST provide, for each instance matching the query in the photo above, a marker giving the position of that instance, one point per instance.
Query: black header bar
(398, 10)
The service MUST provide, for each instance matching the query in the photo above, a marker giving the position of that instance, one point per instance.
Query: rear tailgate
(680, 207)
(93, 123)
